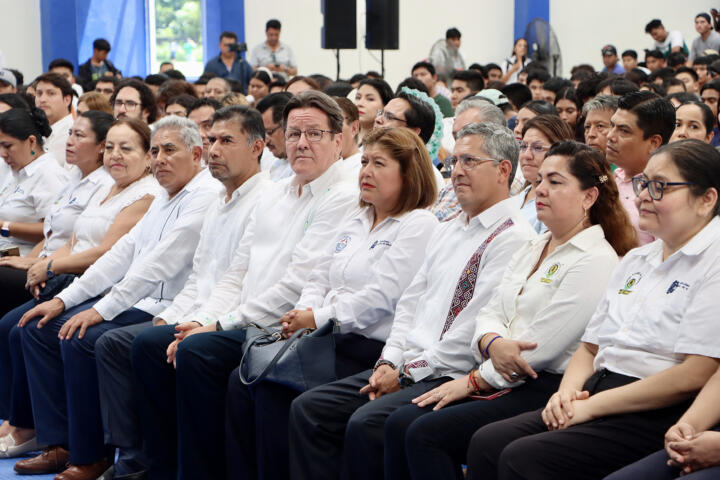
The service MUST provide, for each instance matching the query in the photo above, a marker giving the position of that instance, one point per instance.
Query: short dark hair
(316, 99)
(205, 102)
(637, 76)
(358, 77)
(705, 16)
(338, 89)
(61, 63)
(540, 107)
(675, 59)
(704, 60)
(698, 163)
(474, 79)
(655, 115)
(184, 100)
(348, 108)
(175, 74)
(414, 83)
(681, 97)
(273, 23)
(537, 74)
(665, 72)
(262, 76)
(14, 100)
(652, 25)
(689, 71)
(251, 122)
(314, 85)
(426, 65)
(656, 88)
(672, 81)
(106, 79)
(630, 53)
(618, 86)
(205, 78)
(419, 115)
(715, 85)
(655, 53)
(381, 87)
(20, 123)
(56, 80)
(147, 99)
(555, 84)
(167, 62)
(708, 117)
(517, 93)
(452, 33)
(101, 44)
(492, 66)
(277, 101)
(228, 34)
(156, 79)
(173, 88)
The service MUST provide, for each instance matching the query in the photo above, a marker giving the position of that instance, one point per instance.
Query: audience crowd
(519, 270)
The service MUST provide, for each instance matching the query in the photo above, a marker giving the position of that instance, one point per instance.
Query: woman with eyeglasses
(650, 346)
(356, 284)
(525, 336)
(538, 135)
(371, 97)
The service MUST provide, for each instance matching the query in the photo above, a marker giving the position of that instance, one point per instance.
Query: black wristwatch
(382, 362)
(49, 273)
(404, 379)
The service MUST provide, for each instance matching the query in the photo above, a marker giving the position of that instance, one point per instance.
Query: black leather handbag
(301, 362)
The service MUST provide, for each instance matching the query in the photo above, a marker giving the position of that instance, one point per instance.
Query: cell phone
(493, 395)
(10, 252)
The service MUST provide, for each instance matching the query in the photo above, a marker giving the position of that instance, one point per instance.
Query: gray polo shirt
(263, 55)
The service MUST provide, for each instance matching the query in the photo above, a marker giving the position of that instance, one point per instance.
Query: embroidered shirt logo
(630, 283)
(675, 285)
(383, 243)
(342, 243)
(550, 272)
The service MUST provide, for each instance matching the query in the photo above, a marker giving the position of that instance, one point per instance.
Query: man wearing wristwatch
(339, 426)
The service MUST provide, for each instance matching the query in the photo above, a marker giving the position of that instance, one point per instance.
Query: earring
(32, 152)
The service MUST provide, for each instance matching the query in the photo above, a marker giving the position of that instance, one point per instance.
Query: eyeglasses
(311, 134)
(128, 104)
(466, 161)
(388, 117)
(535, 148)
(271, 131)
(656, 188)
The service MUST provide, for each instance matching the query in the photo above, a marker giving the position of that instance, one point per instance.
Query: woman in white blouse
(649, 348)
(538, 134)
(525, 335)
(374, 257)
(512, 65)
(84, 150)
(108, 216)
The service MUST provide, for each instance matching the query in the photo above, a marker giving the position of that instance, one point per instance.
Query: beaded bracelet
(473, 382)
(487, 347)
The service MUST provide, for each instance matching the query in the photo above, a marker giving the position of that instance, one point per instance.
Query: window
(177, 36)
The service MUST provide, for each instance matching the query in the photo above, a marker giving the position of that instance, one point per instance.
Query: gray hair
(188, 130)
(601, 102)
(487, 111)
(498, 142)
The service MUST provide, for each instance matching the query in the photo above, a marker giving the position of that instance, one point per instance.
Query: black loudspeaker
(382, 18)
(339, 24)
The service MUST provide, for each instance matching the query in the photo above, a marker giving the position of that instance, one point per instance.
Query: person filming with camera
(230, 64)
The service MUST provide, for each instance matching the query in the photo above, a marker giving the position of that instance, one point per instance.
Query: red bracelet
(472, 381)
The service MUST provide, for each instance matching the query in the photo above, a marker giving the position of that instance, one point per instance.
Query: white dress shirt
(277, 168)
(424, 337)
(552, 306)
(94, 222)
(27, 197)
(654, 312)
(55, 144)
(352, 165)
(363, 272)
(224, 225)
(149, 265)
(284, 241)
(529, 211)
(70, 203)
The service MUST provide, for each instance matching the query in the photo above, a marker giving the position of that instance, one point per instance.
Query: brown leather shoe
(51, 460)
(84, 472)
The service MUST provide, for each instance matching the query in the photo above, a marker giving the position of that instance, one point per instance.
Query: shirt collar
(703, 239)
(62, 122)
(96, 176)
(31, 168)
(586, 239)
(500, 211)
(243, 190)
(322, 183)
(621, 177)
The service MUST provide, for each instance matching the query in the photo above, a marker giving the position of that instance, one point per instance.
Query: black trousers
(337, 432)
(12, 289)
(522, 448)
(256, 422)
(425, 444)
(655, 467)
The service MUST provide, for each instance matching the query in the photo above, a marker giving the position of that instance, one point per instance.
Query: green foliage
(178, 21)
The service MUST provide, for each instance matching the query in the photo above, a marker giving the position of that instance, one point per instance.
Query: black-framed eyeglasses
(128, 104)
(467, 162)
(311, 134)
(388, 117)
(656, 188)
(271, 131)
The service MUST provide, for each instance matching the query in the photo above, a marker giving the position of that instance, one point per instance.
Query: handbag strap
(326, 329)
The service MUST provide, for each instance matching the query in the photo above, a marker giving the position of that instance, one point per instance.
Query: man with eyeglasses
(292, 223)
(642, 123)
(339, 427)
(132, 98)
(274, 159)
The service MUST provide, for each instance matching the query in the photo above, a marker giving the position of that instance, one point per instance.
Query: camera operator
(230, 64)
